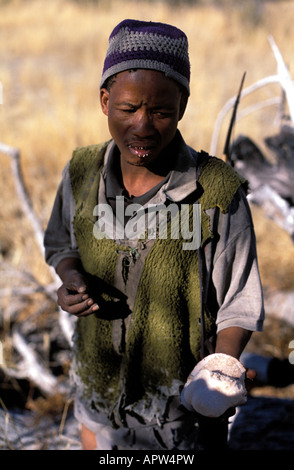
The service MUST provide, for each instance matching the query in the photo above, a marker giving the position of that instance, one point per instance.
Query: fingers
(75, 282)
(76, 303)
(250, 374)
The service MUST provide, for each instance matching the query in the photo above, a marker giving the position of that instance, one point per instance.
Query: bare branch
(32, 369)
(275, 207)
(274, 101)
(66, 321)
(8, 274)
(284, 77)
(22, 193)
(231, 102)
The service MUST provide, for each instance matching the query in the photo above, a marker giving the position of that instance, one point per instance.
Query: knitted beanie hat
(147, 45)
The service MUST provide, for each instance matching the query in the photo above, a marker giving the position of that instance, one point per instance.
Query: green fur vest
(162, 339)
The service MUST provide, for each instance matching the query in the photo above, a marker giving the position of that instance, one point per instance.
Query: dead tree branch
(282, 77)
(22, 192)
(66, 321)
(275, 207)
(230, 103)
(31, 368)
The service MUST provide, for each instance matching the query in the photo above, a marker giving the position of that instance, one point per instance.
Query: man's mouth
(140, 151)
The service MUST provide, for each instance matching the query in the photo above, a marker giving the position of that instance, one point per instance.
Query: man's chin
(145, 160)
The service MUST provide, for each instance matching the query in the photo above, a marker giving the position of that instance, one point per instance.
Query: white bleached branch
(230, 103)
(65, 321)
(283, 78)
(275, 207)
(22, 193)
(32, 369)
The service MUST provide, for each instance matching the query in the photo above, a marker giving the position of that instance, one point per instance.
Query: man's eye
(162, 114)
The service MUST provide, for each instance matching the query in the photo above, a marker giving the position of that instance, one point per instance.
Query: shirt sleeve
(59, 239)
(235, 275)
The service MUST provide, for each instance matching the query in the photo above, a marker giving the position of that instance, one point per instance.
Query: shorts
(181, 430)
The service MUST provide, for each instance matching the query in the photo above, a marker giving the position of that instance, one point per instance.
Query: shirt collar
(182, 181)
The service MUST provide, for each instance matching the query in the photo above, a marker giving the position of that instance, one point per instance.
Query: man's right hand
(73, 295)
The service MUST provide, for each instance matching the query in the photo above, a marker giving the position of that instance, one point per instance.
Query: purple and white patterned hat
(137, 44)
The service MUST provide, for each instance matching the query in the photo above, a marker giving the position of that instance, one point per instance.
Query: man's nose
(143, 123)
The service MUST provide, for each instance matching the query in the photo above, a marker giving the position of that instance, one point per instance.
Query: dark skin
(143, 108)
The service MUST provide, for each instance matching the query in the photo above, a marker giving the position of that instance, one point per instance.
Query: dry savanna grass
(51, 57)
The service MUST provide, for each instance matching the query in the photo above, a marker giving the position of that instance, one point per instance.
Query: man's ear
(183, 105)
(104, 100)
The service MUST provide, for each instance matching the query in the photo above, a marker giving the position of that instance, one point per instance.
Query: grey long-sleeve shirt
(235, 280)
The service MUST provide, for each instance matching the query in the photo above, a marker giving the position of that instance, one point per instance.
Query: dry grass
(51, 60)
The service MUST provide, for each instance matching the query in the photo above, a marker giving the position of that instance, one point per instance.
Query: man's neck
(139, 180)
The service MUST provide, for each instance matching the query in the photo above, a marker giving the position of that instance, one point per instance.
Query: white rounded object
(216, 384)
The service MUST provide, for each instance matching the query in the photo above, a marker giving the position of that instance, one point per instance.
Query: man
(155, 248)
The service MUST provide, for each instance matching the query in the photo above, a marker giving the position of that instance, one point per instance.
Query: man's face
(143, 109)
